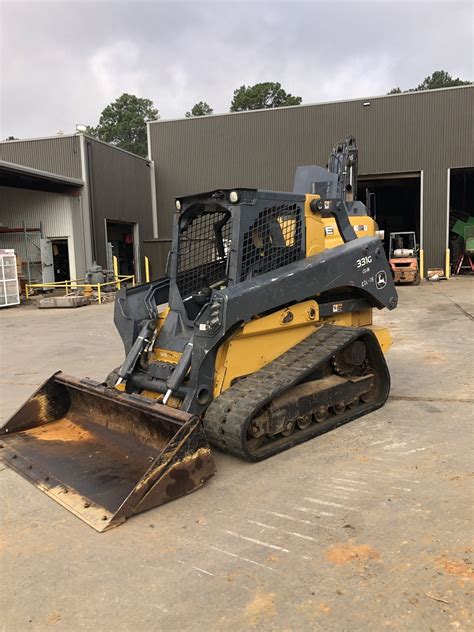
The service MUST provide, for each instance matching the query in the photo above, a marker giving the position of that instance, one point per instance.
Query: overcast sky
(63, 62)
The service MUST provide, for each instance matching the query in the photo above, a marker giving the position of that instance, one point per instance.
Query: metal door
(47, 262)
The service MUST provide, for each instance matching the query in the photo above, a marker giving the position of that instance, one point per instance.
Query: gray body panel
(306, 175)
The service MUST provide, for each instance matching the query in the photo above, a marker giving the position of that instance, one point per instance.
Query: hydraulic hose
(177, 377)
(142, 339)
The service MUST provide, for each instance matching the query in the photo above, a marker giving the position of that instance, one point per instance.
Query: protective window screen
(274, 240)
(202, 251)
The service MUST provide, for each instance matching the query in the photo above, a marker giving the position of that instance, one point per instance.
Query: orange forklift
(403, 258)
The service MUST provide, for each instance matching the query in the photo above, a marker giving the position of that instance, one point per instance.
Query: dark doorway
(60, 259)
(120, 242)
(461, 220)
(397, 203)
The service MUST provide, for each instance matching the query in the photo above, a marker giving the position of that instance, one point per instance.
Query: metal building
(67, 201)
(416, 153)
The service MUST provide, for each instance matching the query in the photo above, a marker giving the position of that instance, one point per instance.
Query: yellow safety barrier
(147, 270)
(72, 285)
(116, 274)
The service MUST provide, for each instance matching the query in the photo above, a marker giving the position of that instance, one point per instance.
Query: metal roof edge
(13, 166)
(97, 140)
(103, 142)
(29, 140)
(307, 105)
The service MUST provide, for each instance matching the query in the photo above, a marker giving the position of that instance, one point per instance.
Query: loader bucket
(103, 454)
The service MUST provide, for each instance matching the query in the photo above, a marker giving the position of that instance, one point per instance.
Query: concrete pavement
(368, 527)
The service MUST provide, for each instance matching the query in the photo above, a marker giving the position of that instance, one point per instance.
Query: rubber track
(228, 416)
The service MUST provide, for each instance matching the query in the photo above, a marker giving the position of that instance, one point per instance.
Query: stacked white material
(9, 288)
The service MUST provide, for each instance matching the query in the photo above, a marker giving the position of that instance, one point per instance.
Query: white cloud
(116, 69)
(62, 62)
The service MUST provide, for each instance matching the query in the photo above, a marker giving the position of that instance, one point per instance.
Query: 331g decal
(364, 261)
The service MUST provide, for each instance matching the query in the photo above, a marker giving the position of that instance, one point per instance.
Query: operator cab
(226, 237)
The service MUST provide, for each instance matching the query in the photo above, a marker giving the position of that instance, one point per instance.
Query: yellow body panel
(383, 336)
(262, 340)
(163, 355)
(314, 228)
(362, 318)
(364, 226)
(322, 232)
(174, 402)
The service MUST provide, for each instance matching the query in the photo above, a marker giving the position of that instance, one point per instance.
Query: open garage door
(461, 220)
(395, 201)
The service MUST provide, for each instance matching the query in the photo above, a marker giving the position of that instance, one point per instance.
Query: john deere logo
(381, 279)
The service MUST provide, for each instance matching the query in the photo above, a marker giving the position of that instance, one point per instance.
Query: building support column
(435, 226)
(85, 204)
(447, 264)
(422, 252)
(154, 210)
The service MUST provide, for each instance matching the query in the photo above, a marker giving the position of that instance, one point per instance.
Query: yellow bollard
(447, 272)
(422, 264)
(99, 293)
(117, 280)
(147, 270)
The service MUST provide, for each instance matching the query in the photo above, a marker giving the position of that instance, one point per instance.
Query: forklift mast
(403, 244)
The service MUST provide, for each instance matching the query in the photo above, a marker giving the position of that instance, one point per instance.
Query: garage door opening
(121, 241)
(461, 220)
(394, 201)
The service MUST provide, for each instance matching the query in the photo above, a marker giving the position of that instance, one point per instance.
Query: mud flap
(103, 454)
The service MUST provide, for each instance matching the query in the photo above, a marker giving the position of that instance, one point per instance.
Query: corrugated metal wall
(60, 154)
(58, 214)
(119, 184)
(120, 190)
(425, 131)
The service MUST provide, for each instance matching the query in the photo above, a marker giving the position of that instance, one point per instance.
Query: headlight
(178, 205)
(234, 197)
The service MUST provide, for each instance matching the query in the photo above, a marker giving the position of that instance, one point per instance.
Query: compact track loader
(259, 338)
